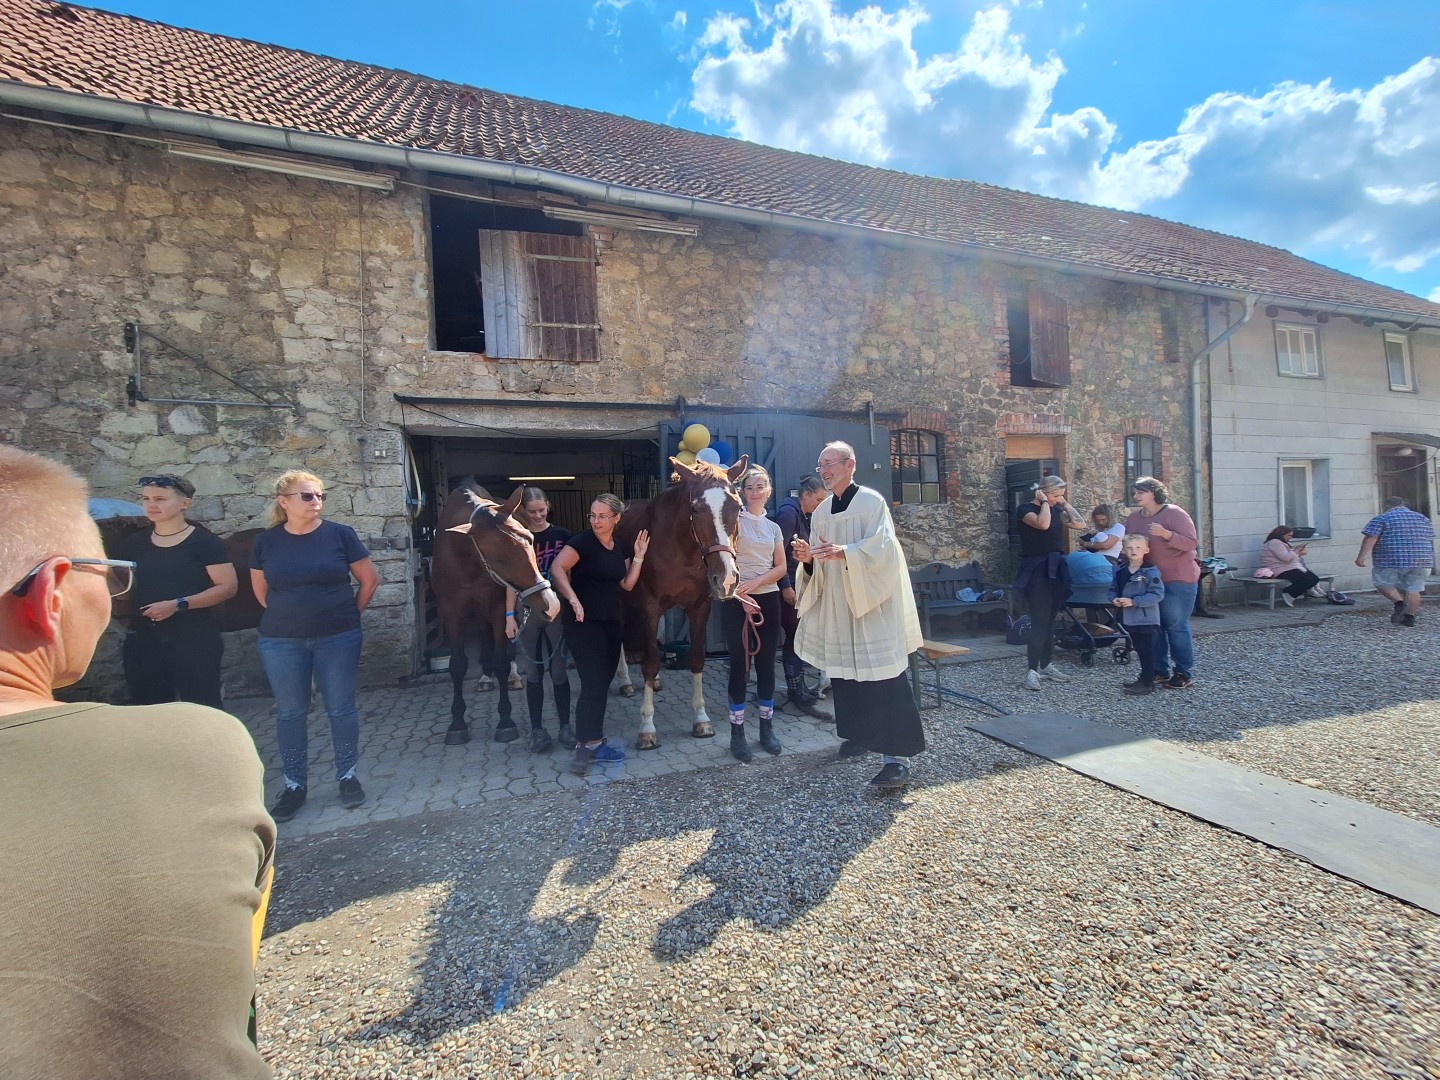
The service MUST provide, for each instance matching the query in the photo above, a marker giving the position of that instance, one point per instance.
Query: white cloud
(1434, 296)
(1309, 167)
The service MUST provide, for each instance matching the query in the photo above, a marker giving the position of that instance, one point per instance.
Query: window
(1298, 351)
(1397, 362)
(511, 283)
(1142, 458)
(915, 466)
(1305, 494)
(1039, 325)
(1169, 335)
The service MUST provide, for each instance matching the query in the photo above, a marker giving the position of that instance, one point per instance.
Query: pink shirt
(1174, 558)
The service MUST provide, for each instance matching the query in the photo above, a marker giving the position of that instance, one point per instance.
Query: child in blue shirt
(1137, 591)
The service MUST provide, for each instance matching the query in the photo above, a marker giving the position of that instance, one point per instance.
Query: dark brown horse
(241, 612)
(479, 550)
(693, 526)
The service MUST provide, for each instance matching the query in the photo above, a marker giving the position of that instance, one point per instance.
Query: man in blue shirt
(1404, 546)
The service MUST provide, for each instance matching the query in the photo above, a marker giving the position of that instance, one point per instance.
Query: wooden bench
(1263, 591)
(935, 586)
(933, 655)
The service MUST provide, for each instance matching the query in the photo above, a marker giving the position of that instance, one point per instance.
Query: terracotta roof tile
(86, 51)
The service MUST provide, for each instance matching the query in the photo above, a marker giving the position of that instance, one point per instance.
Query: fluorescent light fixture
(518, 479)
(218, 156)
(621, 221)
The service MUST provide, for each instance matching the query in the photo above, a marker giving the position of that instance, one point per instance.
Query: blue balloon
(708, 455)
(726, 452)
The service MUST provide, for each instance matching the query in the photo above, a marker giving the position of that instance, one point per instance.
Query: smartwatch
(182, 604)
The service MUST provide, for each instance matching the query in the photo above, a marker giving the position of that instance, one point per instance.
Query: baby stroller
(1088, 622)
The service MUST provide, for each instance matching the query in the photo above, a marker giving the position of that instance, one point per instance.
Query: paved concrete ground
(407, 769)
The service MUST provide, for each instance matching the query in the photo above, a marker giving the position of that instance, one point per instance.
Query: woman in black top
(173, 650)
(588, 574)
(1042, 523)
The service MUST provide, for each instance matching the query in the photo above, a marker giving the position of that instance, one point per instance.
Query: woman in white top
(760, 559)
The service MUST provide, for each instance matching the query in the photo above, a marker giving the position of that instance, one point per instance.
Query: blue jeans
(1174, 647)
(334, 665)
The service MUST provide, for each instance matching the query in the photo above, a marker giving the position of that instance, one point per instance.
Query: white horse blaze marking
(716, 498)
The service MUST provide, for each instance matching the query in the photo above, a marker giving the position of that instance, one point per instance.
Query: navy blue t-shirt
(308, 578)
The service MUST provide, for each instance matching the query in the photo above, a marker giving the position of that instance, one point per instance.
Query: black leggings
(1044, 596)
(162, 667)
(1301, 581)
(732, 619)
(595, 648)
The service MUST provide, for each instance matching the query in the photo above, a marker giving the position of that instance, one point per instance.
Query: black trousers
(732, 619)
(161, 667)
(881, 716)
(790, 660)
(1301, 581)
(595, 648)
(1145, 638)
(1044, 596)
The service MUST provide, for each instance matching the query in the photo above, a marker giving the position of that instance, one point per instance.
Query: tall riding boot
(738, 746)
(805, 700)
(768, 741)
(562, 709)
(535, 699)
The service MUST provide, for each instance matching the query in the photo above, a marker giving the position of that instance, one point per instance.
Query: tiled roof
(85, 51)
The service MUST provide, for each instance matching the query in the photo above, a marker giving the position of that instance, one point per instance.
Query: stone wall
(318, 295)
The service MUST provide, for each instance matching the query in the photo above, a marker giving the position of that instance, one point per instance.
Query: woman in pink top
(1279, 555)
(1173, 545)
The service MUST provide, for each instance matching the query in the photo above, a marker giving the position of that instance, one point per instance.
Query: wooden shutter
(538, 294)
(1049, 339)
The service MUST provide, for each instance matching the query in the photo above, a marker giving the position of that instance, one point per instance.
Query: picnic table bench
(1263, 591)
(933, 655)
(935, 586)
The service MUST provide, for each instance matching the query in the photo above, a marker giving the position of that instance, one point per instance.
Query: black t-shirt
(308, 580)
(596, 578)
(1036, 543)
(548, 545)
(168, 573)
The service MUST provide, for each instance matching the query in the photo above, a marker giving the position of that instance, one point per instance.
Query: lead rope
(750, 630)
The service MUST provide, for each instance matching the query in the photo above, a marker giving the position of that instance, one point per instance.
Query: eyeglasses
(307, 496)
(600, 517)
(183, 486)
(119, 574)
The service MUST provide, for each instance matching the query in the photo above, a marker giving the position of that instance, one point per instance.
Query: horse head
(505, 551)
(714, 519)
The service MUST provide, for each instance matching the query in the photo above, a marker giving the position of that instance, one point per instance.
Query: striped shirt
(1404, 539)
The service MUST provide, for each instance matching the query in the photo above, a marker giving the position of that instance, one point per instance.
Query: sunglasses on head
(183, 486)
(307, 496)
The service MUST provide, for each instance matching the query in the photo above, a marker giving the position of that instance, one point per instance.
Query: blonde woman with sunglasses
(301, 569)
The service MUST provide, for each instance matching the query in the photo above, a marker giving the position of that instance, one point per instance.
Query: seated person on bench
(1284, 560)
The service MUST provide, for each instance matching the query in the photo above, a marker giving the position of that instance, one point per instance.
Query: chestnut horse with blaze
(479, 550)
(693, 525)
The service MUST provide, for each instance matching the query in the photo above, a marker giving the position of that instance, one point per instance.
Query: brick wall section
(319, 295)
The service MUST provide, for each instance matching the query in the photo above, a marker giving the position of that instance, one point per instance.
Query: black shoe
(1407, 619)
(351, 793)
(851, 748)
(540, 741)
(1159, 679)
(768, 742)
(891, 775)
(289, 803)
(1399, 612)
(739, 748)
(1139, 687)
(1179, 682)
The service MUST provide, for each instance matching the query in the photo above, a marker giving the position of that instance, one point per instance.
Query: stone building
(225, 259)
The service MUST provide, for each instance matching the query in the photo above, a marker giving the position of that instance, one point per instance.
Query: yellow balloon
(687, 456)
(695, 439)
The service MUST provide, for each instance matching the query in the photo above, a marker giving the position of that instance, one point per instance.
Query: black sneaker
(851, 748)
(1138, 687)
(891, 775)
(1179, 682)
(1161, 679)
(351, 793)
(289, 803)
(1399, 612)
(1407, 619)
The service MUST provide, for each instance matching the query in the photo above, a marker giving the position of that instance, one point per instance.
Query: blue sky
(1308, 124)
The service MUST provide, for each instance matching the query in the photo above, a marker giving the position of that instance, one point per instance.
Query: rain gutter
(180, 122)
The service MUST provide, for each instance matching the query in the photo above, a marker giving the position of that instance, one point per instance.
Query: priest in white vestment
(857, 618)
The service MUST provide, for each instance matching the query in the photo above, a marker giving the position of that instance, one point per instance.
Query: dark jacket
(793, 522)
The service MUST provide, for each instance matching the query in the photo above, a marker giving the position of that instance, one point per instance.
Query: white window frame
(1309, 467)
(1407, 383)
(1289, 344)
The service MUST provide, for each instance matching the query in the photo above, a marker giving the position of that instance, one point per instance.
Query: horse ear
(683, 469)
(459, 528)
(511, 504)
(738, 469)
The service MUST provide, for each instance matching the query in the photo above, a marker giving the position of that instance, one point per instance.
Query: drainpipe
(1197, 442)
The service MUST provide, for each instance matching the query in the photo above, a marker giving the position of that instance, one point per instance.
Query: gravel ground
(1004, 917)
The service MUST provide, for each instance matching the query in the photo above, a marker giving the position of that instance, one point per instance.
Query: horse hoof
(515, 683)
(457, 736)
(540, 741)
(566, 735)
(647, 740)
(485, 685)
(626, 690)
(703, 731)
(506, 733)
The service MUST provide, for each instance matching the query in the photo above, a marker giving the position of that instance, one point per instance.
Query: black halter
(520, 594)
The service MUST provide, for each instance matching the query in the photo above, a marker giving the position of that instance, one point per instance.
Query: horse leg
(701, 727)
(622, 676)
(505, 729)
(647, 739)
(458, 733)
